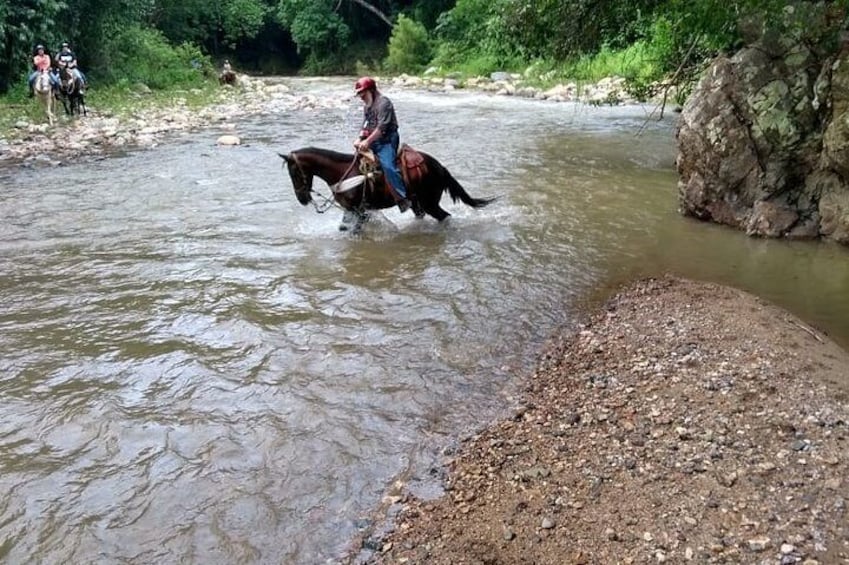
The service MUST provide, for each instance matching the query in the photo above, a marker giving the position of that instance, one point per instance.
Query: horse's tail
(457, 192)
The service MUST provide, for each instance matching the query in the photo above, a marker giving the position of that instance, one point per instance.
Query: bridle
(42, 82)
(66, 80)
(326, 202)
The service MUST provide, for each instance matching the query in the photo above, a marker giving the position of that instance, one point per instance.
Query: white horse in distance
(46, 97)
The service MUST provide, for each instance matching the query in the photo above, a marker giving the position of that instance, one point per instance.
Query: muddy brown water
(196, 369)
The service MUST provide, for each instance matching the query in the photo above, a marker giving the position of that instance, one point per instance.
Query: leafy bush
(361, 58)
(137, 54)
(483, 65)
(475, 29)
(409, 47)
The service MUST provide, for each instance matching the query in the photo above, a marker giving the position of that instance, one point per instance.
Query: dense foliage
(166, 42)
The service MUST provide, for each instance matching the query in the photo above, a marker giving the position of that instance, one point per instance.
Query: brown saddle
(410, 162)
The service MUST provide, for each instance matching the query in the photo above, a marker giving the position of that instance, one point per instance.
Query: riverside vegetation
(174, 44)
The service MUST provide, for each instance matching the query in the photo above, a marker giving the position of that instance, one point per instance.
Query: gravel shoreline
(100, 134)
(684, 422)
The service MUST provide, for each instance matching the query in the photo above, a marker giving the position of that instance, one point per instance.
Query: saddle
(410, 162)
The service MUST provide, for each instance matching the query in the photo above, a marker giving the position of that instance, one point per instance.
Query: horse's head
(67, 79)
(42, 82)
(301, 180)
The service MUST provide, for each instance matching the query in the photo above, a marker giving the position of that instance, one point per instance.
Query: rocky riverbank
(101, 133)
(683, 422)
(607, 91)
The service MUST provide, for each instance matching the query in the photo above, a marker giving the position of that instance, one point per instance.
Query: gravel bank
(100, 134)
(684, 422)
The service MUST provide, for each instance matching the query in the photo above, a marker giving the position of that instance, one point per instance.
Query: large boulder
(763, 142)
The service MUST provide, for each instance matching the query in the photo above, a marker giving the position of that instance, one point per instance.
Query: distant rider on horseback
(66, 58)
(227, 74)
(41, 63)
(380, 133)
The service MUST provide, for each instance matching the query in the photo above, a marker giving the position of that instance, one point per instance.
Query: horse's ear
(284, 157)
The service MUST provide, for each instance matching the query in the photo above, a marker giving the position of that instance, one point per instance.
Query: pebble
(229, 140)
(547, 523)
(759, 543)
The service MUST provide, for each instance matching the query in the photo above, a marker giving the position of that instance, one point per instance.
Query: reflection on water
(195, 368)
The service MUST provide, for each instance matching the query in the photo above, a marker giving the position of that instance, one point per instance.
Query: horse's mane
(328, 154)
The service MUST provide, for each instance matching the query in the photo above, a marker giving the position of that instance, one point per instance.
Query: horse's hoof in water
(348, 219)
(417, 209)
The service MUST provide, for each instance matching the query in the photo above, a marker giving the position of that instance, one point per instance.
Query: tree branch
(373, 10)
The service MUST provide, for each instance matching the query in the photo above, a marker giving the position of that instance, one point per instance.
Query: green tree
(90, 24)
(141, 54)
(227, 23)
(23, 24)
(475, 30)
(427, 11)
(316, 28)
(242, 19)
(409, 46)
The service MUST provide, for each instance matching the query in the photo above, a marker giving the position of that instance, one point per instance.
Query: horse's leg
(437, 212)
(417, 208)
(362, 217)
(427, 201)
(348, 218)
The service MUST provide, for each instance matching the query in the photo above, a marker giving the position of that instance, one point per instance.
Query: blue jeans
(76, 73)
(54, 79)
(386, 152)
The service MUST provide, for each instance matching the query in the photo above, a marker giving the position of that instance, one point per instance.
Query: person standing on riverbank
(380, 133)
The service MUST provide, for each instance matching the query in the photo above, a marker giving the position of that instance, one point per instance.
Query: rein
(327, 203)
(350, 167)
(345, 174)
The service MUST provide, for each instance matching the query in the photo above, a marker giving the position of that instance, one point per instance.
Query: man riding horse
(66, 59)
(380, 133)
(227, 76)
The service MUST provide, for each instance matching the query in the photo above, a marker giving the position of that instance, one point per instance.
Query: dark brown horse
(227, 77)
(425, 177)
(71, 92)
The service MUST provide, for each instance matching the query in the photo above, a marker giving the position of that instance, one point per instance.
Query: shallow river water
(197, 369)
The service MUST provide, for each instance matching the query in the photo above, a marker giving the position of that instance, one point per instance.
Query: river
(197, 369)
